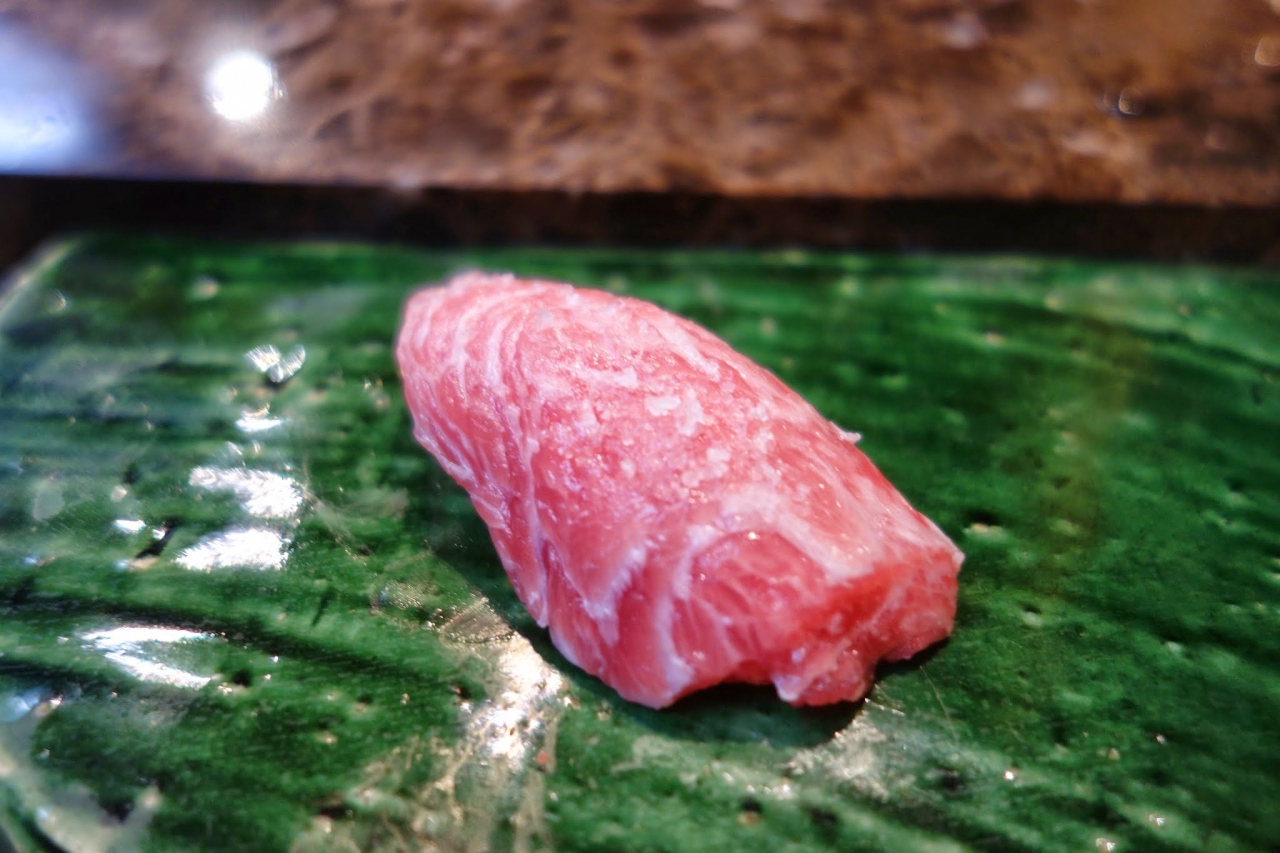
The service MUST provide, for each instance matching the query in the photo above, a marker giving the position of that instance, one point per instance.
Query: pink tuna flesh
(672, 512)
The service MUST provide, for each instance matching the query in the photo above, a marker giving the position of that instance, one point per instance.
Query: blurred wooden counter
(1170, 101)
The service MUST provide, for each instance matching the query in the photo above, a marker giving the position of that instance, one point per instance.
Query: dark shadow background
(33, 209)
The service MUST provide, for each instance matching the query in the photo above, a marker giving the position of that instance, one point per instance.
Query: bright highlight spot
(276, 366)
(241, 85)
(130, 525)
(129, 648)
(261, 493)
(522, 702)
(246, 548)
(45, 117)
(258, 420)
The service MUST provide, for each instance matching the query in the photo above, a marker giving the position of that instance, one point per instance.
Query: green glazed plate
(241, 609)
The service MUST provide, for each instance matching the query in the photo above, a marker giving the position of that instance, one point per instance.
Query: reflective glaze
(239, 608)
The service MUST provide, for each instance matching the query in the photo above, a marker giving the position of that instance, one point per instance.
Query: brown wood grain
(1174, 101)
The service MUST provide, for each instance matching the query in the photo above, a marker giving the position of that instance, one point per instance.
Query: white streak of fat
(134, 648)
(608, 377)
(678, 671)
(661, 404)
(691, 414)
(687, 346)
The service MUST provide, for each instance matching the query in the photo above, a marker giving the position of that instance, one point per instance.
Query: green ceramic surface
(255, 615)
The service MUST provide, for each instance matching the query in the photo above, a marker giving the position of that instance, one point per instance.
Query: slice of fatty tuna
(671, 511)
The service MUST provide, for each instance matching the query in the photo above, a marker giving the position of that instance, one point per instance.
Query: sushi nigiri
(674, 514)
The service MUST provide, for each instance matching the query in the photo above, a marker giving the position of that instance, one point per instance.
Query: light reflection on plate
(14, 706)
(129, 525)
(261, 493)
(238, 548)
(258, 420)
(131, 647)
(276, 366)
(499, 739)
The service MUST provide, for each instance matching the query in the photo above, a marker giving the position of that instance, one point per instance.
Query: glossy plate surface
(241, 609)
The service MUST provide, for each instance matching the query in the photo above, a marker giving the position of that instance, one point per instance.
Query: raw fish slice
(671, 511)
